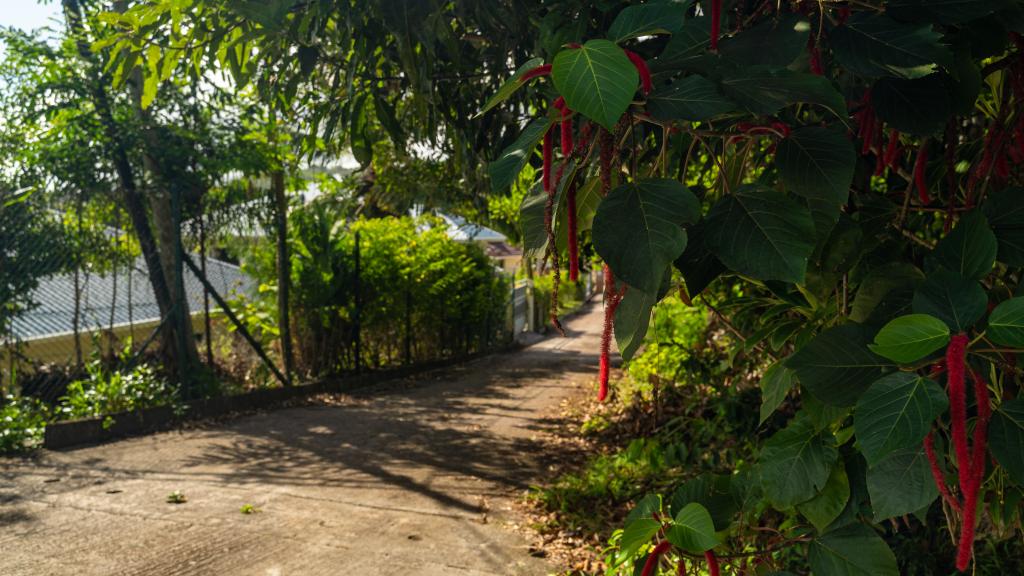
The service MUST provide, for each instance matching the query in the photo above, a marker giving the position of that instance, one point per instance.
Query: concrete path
(414, 477)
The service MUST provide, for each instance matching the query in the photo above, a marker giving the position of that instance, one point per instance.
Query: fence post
(408, 318)
(358, 310)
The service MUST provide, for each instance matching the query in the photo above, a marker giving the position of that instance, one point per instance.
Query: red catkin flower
(712, 561)
(612, 297)
(716, 21)
(892, 150)
(965, 548)
(920, 182)
(641, 67)
(955, 357)
(652, 559)
(565, 125)
(940, 482)
(815, 57)
(542, 70)
(574, 251)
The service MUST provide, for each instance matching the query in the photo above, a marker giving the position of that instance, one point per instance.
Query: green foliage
(22, 423)
(110, 390)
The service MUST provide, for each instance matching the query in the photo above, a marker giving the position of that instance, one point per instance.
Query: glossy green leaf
(909, 338)
(855, 550)
(647, 19)
(1006, 323)
(817, 163)
(692, 98)
(638, 229)
(688, 45)
(1005, 211)
(901, 483)
(692, 529)
(506, 168)
(837, 366)
(1006, 438)
(762, 233)
(509, 87)
(713, 492)
(796, 463)
(775, 385)
(597, 80)
(764, 90)
(920, 107)
(773, 41)
(880, 283)
(873, 44)
(895, 413)
(969, 249)
(830, 502)
(957, 301)
(640, 526)
(632, 318)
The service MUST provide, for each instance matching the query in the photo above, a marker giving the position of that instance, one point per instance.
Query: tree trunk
(284, 273)
(133, 198)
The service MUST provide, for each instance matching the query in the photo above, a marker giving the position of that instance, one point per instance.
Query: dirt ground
(416, 476)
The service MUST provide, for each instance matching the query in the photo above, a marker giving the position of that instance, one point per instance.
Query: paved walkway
(413, 478)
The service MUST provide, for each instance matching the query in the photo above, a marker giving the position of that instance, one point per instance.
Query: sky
(28, 14)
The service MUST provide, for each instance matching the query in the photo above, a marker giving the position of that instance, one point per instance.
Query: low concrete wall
(74, 433)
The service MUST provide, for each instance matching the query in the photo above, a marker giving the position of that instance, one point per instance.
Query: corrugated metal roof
(55, 297)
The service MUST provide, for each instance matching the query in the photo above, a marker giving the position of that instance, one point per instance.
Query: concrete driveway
(414, 477)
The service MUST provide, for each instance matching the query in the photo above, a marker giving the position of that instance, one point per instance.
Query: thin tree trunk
(284, 273)
(118, 150)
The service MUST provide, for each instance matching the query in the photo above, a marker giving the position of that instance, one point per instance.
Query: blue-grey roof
(54, 313)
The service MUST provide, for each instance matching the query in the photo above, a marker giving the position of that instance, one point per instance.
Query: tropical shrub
(849, 173)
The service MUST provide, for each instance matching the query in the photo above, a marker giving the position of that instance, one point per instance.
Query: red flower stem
(716, 21)
(712, 561)
(652, 559)
(612, 297)
(641, 67)
(965, 548)
(542, 70)
(940, 482)
(920, 182)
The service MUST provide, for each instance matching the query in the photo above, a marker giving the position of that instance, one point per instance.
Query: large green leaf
(920, 107)
(969, 250)
(901, 484)
(633, 316)
(687, 46)
(762, 233)
(837, 366)
(942, 11)
(855, 550)
(764, 90)
(640, 526)
(506, 168)
(817, 163)
(597, 80)
(692, 98)
(510, 86)
(909, 338)
(1005, 211)
(697, 264)
(638, 229)
(692, 529)
(775, 385)
(647, 19)
(1006, 323)
(1006, 438)
(896, 412)
(880, 284)
(713, 493)
(872, 44)
(796, 463)
(957, 301)
(531, 220)
(774, 41)
(830, 502)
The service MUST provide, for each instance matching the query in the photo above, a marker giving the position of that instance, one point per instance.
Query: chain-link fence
(83, 330)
